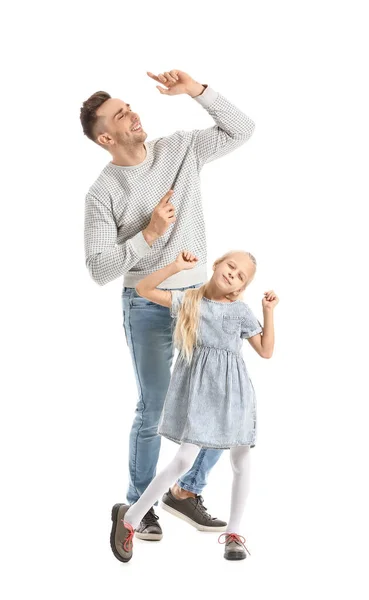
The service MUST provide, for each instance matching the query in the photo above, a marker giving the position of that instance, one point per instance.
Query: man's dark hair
(88, 113)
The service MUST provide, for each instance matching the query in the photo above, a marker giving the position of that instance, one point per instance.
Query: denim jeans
(149, 329)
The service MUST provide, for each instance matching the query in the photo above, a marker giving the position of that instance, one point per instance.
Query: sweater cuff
(140, 245)
(207, 98)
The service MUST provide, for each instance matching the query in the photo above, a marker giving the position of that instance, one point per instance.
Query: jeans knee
(149, 410)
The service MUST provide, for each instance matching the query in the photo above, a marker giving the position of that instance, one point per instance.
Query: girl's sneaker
(121, 533)
(235, 548)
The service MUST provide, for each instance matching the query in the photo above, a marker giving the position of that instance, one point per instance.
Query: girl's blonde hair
(186, 330)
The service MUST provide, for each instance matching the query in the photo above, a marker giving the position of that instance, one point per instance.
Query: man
(144, 208)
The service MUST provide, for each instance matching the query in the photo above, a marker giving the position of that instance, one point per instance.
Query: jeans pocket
(231, 324)
(140, 302)
(126, 292)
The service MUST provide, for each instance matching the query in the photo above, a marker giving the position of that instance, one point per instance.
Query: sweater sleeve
(105, 259)
(233, 128)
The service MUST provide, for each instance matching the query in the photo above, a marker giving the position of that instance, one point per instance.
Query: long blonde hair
(186, 330)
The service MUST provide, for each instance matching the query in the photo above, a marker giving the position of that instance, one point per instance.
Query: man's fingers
(167, 204)
(154, 77)
(165, 198)
(169, 77)
(162, 90)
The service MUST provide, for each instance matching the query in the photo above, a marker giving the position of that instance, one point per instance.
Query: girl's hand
(270, 300)
(186, 260)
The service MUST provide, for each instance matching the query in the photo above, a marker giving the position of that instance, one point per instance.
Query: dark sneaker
(121, 533)
(235, 548)
(149, 528)
(193, 511)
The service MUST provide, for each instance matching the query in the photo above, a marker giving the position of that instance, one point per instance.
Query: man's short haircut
(88, 113)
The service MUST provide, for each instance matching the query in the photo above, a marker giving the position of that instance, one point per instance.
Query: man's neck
(129, 157)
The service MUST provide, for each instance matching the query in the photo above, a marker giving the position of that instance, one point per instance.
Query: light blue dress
(211, 401)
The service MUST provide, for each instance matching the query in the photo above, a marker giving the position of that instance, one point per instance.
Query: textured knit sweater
(120, 203)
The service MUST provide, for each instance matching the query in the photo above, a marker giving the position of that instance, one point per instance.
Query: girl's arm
(147, 287)
(264, 344)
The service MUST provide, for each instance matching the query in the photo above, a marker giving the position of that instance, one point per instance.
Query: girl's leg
(240, 461)
(182, 461)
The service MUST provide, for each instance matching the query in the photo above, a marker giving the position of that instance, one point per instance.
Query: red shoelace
(127, 546)
(233, 537)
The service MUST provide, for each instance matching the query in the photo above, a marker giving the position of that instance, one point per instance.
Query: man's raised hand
(177, 82)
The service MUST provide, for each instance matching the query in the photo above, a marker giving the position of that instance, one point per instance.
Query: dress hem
(206, 445)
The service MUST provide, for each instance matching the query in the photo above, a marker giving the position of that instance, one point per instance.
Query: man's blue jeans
(149, 329)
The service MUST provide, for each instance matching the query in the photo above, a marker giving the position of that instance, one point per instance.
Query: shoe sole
(234, 556)
(149, 537)
(197, 526)
(114, 518)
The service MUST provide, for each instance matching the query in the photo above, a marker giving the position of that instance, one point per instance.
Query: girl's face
(233, 274)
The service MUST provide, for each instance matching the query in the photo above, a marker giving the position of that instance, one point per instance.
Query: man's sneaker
(235, 548)
(149, 528)
(121, 533)
(193, 511)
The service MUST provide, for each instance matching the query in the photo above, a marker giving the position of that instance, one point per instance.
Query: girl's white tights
(181, 463)
(240, 461)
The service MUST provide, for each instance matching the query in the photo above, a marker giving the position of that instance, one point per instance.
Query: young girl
(210, 402)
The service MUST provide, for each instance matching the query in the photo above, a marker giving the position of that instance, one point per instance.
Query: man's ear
(104, 139)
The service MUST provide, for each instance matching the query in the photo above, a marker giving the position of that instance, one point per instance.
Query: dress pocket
(231, 324)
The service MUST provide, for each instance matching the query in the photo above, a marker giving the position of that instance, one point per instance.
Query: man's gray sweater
(120, 203)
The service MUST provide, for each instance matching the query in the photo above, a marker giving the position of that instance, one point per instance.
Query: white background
(295, 195)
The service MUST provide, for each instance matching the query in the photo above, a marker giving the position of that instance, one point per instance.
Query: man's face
(118, 125)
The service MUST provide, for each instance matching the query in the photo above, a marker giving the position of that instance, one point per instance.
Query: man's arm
(105, 259)
(233, 128)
